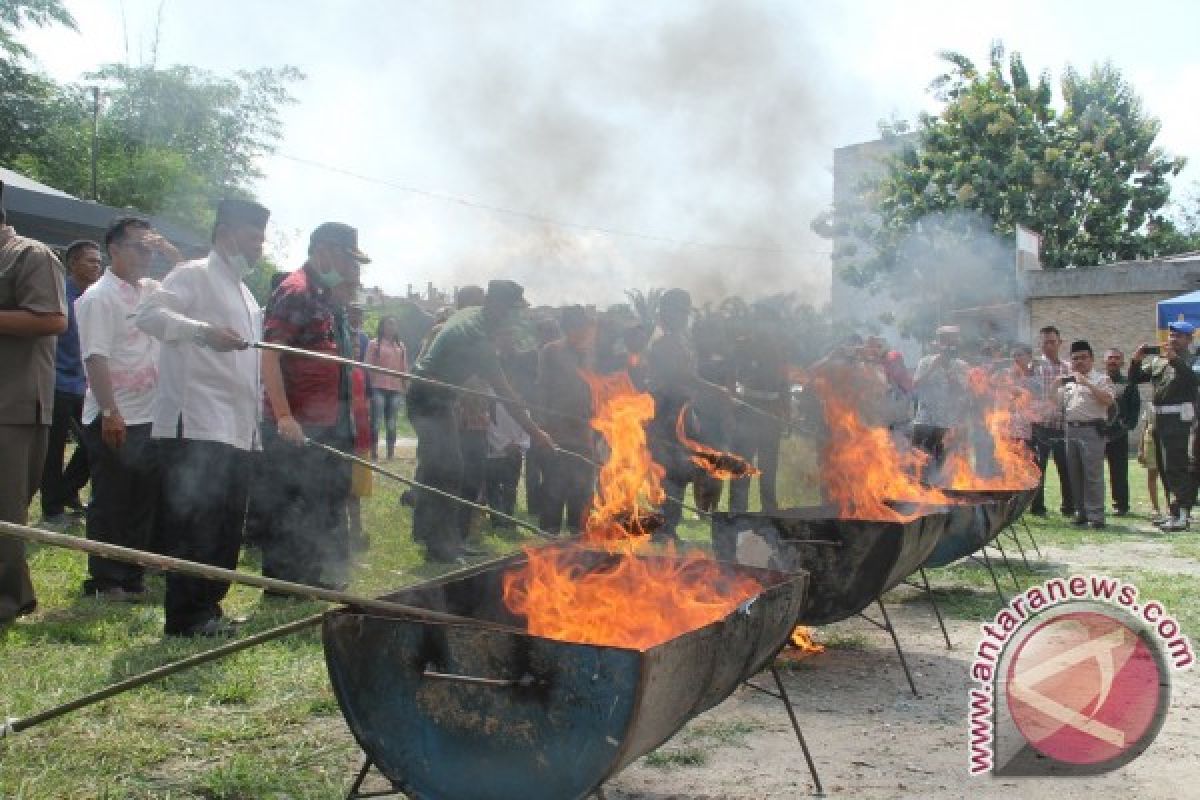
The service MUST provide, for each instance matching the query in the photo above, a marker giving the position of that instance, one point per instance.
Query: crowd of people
(203, 420)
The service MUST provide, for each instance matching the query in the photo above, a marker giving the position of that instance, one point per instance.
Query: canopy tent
(56, 218)
(1186, 307)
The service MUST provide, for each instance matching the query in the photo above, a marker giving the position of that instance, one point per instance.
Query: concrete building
(1109, 305)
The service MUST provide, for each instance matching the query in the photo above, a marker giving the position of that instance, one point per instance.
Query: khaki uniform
(31, 279)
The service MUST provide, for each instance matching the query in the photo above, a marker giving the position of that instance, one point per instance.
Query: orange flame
(802, 639)
(1013, 465)
(722, 466)
(862, 468)
(631, 599)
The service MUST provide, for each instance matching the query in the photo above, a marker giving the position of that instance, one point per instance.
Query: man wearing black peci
(1175, 386)
(1086, 395)
(206, 413)
(463, 348)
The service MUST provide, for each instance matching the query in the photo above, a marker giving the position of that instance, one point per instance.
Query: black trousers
(570, 483)
(303, 498)
(537, 463)
(126, 484)
(437, 521)
(474, 481)
(756, 438)
(1116, 453)
(931, 440)
(1172, 438)
(204, 509)
(503, 475)
(60, 485)
(1048, 443)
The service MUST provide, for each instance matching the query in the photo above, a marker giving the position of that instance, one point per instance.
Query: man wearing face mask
(206, 412)
(308, 537)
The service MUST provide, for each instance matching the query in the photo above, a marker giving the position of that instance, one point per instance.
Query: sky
(584, 148)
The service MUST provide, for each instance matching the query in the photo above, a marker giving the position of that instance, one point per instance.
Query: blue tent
(1185, 307)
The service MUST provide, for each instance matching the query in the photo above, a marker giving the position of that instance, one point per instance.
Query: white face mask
(239, 263)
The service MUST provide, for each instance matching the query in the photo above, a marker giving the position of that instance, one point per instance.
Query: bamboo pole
(16, 725)
(154, 560)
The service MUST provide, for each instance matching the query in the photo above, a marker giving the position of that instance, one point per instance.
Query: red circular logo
(1083, 688)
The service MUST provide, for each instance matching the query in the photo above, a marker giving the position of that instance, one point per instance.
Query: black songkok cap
(505, 294)
(1081, 346)
(235, 211)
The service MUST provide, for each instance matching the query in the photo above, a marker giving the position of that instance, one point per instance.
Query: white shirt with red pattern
(105, 314)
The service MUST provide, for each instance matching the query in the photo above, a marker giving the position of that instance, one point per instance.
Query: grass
(264, 723)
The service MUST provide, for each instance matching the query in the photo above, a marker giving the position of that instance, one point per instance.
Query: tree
(172, 141)
(17, 14)
(28, 101)
(1087, 177)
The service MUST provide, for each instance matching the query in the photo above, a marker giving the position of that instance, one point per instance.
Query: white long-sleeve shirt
(216, 394)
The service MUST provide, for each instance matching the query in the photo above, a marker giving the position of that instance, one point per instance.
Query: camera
(1152, 350)
(1068, 379)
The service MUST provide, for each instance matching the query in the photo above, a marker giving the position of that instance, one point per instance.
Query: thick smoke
(703, 128)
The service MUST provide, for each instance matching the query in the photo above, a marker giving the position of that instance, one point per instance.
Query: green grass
(263, 724)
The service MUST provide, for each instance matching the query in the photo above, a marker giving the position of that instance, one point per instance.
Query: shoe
(1096, 526)
(1079, 521)
(1157, 518)
(56, 522)
(1121, 512)
(1068, 512)
(119, 594)
(75, 507)
(1038, 512)
(209, 629)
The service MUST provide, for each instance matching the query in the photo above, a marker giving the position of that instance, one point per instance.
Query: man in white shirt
(206, 417)
(1086, 394)
(122, 370)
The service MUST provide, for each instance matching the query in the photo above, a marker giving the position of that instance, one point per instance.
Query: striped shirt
(1045, 389)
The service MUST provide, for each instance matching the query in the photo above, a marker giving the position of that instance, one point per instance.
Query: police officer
(1174, 408)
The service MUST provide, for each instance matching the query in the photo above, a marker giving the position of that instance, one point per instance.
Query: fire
(1012, 464)
(861, 467)
(722, 466)
(802, 638)
(614, 591)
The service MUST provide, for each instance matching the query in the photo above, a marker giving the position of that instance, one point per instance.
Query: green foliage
(1087, 176)
(17, 14)
(169, 141)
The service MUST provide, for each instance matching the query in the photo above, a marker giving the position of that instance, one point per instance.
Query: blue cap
(1185, 328)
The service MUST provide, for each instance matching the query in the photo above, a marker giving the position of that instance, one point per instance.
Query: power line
(532, 217)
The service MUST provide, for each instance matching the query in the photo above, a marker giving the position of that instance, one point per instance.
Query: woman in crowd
(386, 390)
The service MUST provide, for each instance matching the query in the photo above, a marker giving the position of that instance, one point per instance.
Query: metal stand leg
(791, 712)
(936, 611)
(1007, 564)
(782, 696)
(887, 626)
(356, 792)
(1012, 533)
(1032, 540)
(987, 563)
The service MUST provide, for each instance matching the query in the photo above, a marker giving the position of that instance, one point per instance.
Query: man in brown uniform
(33, 311)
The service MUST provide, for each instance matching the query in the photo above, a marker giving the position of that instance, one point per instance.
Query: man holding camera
(1174, 409)
(1086, 396)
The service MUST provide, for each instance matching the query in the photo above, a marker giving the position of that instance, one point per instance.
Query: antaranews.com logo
(1072, 677)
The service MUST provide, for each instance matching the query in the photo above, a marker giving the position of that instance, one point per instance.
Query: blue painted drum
(490, 712)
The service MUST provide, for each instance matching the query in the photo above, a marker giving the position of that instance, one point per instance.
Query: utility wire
(530, 216)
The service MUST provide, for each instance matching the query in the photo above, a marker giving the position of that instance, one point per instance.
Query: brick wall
(1105, 320)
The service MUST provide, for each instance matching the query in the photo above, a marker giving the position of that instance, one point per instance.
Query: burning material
(1008, 463)
(722, 466)
(861, 467)
(802, 639)
(629, 599)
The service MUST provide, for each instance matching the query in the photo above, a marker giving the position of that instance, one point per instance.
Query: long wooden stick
(425, 487)
(118, 553)
(16, 725)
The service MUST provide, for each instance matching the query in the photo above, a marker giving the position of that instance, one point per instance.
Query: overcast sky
(678, 143)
